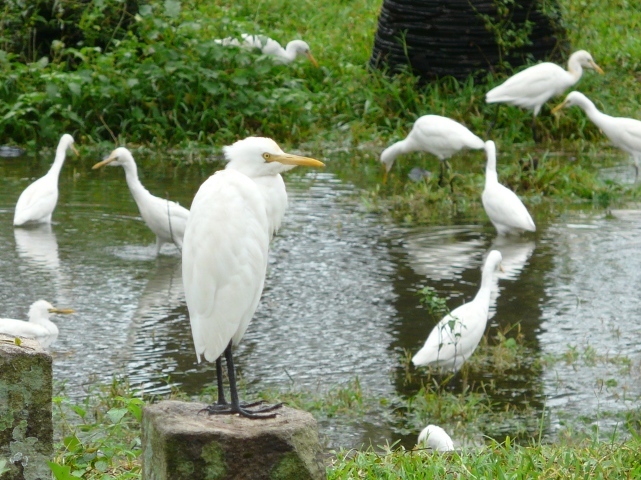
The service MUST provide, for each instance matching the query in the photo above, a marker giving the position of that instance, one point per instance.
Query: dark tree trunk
(459, 38)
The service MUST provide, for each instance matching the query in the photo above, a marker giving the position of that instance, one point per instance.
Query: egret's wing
(266, 45)
(224, 260)
(504, 207)
(625, 133)
(37, 201)
(21, 328)
(531, 86)
(444, 136)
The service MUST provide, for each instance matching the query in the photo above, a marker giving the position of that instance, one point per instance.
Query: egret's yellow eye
(266, 156)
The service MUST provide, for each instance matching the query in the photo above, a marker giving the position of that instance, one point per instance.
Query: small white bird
(454, 339)
(535, 85)
(440, 136)
(436, 438)
(623, 132)
(271, 47)
(233, 218)
(165, 218)
(39, 326)
(38, 201)
(505, 209)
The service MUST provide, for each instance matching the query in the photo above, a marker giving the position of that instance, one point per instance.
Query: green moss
(214, 457)
(290, 467)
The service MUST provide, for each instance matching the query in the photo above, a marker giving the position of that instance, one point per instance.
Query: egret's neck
(399, 148)
(487, 276)
(288, 53)
(61, 154)
(490, 169)
(272, 188)
(574, 69)
(45, 323)
(592, 112)
(135, 187)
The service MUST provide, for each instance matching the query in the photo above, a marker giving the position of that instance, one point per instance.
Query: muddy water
(340, 299)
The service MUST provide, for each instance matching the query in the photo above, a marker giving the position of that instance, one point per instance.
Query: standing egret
(454, 339)
(165, 218)
(271, 47)
(505, 209)
(436, 438)
(623, 132)
(39, 326)
(535, 85)
(38, 201)
(440, 136)
(233, 217)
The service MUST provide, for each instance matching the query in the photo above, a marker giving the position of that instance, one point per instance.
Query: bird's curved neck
(135, 187)
(490, 169)
(59, 160)
(289, 52)
(575, 69)
(393, 151)
(591, 111)
(487, 277)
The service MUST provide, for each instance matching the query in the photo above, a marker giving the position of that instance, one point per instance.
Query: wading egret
(505, 209)
(454, 339)
(440, 136)
(535, 85)
(623, 132)
(165, 218)
(436, 438)
(39, 326)
(38, 201)
(271, 47)
(233, 218)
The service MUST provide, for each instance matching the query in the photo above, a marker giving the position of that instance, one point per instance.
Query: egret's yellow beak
(312, 59)
(596, 67)
(61, 310)
(385, 174)
(501, 268)
(559, 106)
(75, 150)
(106, 161)
(289, 159)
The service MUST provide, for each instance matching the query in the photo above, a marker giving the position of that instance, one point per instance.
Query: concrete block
(179, 443)
(26, 426)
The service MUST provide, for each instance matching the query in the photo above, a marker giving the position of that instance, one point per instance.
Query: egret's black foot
(243, 410)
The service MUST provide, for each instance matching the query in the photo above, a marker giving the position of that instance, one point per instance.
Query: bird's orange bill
(61, 310)
(596, 67)
(385, 176)
(107, 160)
(289, 159)
(559, 107)
(312, 59)
(75, 150)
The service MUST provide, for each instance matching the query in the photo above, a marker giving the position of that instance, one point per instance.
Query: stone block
(26, 427)
(179, 443)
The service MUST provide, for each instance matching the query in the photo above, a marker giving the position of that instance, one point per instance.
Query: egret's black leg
(219, 379)
(534, 136)
(496, 118)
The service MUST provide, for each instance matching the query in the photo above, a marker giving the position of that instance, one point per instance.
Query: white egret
(39, 326)
(454, 339)
(505, 209)
(535, 85)
(271, 47)
(233, 218)
(38, 201)
(436, 438)
(623, 132)
(440, 136)
(165, 218)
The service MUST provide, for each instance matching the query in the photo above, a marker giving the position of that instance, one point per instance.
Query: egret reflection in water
(38, 246)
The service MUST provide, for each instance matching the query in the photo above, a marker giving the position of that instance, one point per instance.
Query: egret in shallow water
(39, 326)
(505, 209)
(623, 132)
(436, 438)
(38, 201)
(165, 218)
(535, 85)
(440, 136)
(271, 47)
(454, 339)
(233, 218)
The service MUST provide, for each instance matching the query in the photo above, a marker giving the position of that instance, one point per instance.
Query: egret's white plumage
(436, 438)
(623, 132)
(505, 209)
(165, 218)
(39, 325)
(532, 87)
(440, 136)
(233, 217)
(38, 201)
(271, 47)
(456, 336)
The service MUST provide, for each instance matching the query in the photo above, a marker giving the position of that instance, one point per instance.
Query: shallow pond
(340, 300)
